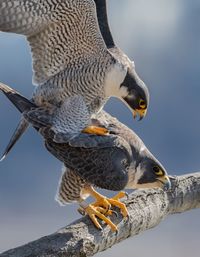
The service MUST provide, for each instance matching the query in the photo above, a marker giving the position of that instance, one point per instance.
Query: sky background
(163, 38)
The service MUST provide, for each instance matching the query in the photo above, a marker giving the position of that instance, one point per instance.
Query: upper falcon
(75, 71)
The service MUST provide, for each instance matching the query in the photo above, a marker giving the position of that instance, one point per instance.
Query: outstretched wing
(62, 34)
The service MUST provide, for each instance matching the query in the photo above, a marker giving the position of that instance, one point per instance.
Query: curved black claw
(115, 213)
(81, 211)
(107, 208)
(127, 219)
(116, 232)
(127, 196)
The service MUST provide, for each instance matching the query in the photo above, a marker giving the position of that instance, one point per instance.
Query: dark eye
(142, 104)
(158, 171)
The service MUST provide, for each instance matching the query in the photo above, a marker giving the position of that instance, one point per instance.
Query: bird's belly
(45, 96)
(96, 105)
(51, 94)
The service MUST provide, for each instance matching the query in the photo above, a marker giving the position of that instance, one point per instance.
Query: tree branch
(147, 208)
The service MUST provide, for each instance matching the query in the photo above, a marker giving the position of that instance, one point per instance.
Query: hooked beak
(139, 112)
(166, 182)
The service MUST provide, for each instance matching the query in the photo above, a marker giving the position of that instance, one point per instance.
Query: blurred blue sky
(163, 39)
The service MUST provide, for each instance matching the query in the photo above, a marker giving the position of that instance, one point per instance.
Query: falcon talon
(127, 218)
(81, 211)
(127, 196)
(103, 204)
(107, 212)
(104, 211)
(112, 132)
(93, 214)
(116, 232)
(115, 213)
(96, 130)
(118, 196)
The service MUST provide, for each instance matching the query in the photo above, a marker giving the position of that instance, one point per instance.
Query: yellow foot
(102, 207)
(100, 131)
(106, 203)
(94, 212)
(105, 212)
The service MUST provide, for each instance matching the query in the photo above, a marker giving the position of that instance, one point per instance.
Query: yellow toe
(119, 195)
(101, 208)
(96, 130)
(104, 211)
(102, 202)
(94, 212)
(120, 205)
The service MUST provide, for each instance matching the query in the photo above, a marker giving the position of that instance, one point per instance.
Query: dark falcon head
(132, 90)
(148, 173)
(137, 97)
(151, 174)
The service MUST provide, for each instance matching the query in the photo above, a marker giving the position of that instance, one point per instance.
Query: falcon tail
(22, 104)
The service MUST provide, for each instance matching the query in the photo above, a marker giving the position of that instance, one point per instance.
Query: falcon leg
(107, 202)
(100, 131)
(101, 208)
(94, 213)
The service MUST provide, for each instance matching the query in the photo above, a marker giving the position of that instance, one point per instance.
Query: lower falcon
(116, 162)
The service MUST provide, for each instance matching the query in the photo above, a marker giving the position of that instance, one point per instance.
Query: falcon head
(123, 82)
(150, 174)
(137, 96)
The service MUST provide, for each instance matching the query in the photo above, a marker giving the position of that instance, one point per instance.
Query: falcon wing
(102, 167)
(62, 34)
(101, 6)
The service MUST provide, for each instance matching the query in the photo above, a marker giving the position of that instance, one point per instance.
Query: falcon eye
(142, 104)
(158, 171)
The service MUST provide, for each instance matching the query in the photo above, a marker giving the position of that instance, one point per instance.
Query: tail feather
(22, 104)
(19, 131)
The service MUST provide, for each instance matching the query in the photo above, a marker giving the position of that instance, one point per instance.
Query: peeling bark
(147, 208)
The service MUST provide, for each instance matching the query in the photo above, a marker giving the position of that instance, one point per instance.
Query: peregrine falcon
(76, 65)
(116, 162)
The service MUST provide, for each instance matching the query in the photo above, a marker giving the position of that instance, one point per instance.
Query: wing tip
(6, 89)
(3, 157)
